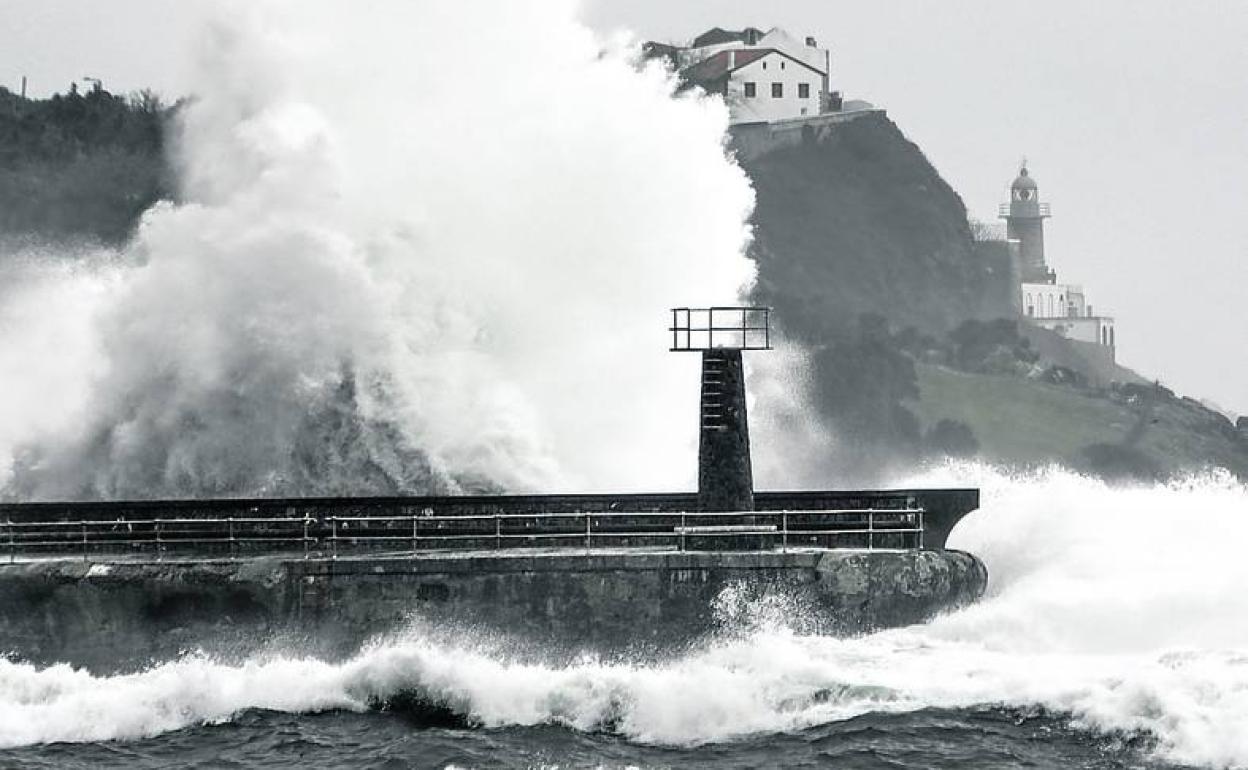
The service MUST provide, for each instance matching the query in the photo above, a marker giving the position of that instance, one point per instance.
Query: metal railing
(712, 328)
(234, 536)
(1042, 209)
(328, 536)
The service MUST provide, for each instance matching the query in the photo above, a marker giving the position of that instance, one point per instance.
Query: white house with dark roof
(763, 76)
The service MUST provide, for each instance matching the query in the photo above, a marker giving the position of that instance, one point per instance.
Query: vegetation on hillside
(80, 165)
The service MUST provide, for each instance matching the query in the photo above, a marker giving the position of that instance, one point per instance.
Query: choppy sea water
(930, 738)
(1114, 634)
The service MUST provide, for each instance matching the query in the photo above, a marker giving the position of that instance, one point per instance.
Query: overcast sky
(1133, 115)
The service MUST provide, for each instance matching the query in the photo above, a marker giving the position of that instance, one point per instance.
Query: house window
(777, 90)
(781, 65)
(750, 90)
(803, 90)
(764, 65)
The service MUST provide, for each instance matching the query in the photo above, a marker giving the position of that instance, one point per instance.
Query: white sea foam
(1124, 608)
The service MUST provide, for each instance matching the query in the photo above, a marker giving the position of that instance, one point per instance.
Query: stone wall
(122, 615)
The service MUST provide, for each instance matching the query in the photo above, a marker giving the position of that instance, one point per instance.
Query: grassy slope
(1024, 421)
(1017, 420)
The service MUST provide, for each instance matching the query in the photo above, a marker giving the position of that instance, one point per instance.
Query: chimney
(23, 86)
(810, 41)
(732, 59)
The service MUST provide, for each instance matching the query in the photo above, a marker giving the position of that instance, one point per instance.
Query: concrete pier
(121, 614)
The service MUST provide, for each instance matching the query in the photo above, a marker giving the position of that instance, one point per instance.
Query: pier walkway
(334, 527)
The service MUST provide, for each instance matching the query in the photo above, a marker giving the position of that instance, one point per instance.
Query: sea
(1114, 634)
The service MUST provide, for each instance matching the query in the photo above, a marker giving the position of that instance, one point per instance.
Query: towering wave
(422, 247)
(1123, 609)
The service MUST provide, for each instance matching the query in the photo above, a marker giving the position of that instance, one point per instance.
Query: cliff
(866, 254)
(854, 220)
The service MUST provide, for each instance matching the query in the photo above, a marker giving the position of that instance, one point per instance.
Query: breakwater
(119, 615)
(113, 586)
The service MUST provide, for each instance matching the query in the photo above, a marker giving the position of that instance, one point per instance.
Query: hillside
(1136, 432)
(859, 222)
(80, 166)
(867, 257)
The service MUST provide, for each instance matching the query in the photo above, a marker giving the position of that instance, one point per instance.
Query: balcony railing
(729, 328)
(1042, 209)
(205, 539)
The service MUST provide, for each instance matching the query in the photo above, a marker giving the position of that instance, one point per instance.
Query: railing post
(333, 536)
(229, 544)
(12, 542)
(160, 546)
(588, 519)
(871, 530)
(682, 530)
(84, 541)
(498, 531)
(415, 533)
(919, 515)
(784, 532)
(307, 524)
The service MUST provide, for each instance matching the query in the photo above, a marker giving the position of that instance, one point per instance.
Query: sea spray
(1121, 608)
(383, 278)
(47, 358)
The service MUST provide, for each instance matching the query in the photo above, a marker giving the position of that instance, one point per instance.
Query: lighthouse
(1024, 219)
(1043, 302)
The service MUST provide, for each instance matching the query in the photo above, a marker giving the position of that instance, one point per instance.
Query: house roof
(720, 64)
(724, 63)
(716, 35)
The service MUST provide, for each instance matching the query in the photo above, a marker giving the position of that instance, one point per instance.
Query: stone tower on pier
(720, 334)
(1024, 219)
